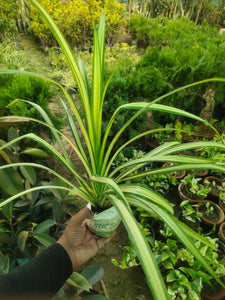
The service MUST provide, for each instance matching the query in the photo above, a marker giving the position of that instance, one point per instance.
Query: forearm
(43, 275)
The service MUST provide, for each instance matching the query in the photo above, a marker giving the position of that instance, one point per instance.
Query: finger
(81, 215)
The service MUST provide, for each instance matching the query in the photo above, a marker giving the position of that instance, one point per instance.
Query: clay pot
(206, 131)
(214, 192)
(178, 174)
(222, 205)
(201, 172)
(190, 137)
(221, 232)
(184, 196)
(206, 293)
(213, 218)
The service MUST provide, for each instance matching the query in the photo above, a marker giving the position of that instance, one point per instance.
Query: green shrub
(31, 89)
(118, 94)
(180, 52)
(8, 16)
(139, 30)
(75, 19)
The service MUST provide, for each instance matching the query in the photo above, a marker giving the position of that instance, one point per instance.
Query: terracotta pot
(221, 249)
(206, 131)
(222, 205)
(214, 193)
(219, 296)
(221, 232)
(190, 137)
(178, 174)
(201, 172)
(184, 196)
(214, 220)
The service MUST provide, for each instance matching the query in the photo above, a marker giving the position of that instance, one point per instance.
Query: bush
(75, 19)
(139, 30)
(8, 16)
(180, 53)
(118, 94)
(31, 89)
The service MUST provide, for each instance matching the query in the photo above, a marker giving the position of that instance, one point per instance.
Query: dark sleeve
(43, 275)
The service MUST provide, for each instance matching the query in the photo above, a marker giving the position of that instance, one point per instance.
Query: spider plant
(97, 153)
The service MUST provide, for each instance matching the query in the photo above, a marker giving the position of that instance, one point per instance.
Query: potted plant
(222, 197)
(201, 172)
(215, 185)
(206, 131)
(101, 186)
(178, 174)
(211, 212)
(189, 133)
(160, 135)
(190, 188)
(213, 291)
(161, 183)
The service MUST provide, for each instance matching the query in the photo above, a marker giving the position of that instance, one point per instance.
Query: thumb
(79, 217)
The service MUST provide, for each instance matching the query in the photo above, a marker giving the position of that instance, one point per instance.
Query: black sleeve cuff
(43, 275)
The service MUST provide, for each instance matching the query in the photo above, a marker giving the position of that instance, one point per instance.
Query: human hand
(78, 241)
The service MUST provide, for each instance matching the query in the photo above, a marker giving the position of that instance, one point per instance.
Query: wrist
(67, 248)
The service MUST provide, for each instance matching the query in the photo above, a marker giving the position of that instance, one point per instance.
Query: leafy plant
(8, 15)
(211, 212)
(27, 226)
(209, 209)
(188, 211)
(75, 19)
(183, 275)
(33, 89)
(222, 192)
(105, 187)
(193, 188)
(161, 183)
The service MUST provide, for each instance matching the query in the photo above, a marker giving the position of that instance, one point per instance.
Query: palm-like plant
(105, 186)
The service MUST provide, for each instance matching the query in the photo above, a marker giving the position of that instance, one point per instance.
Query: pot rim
(207, 220)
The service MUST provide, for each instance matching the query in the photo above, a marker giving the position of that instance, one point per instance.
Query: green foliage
(118, 94)
(35, 220)
(31, 89)
(189, 212)
(96, 154)
(183, 274)
(139, 30)
(23, 15)
(8, 15)
(179, 52)
(193, 188)
(75, 19)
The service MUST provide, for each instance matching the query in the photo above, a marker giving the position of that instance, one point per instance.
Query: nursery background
(152, 48)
